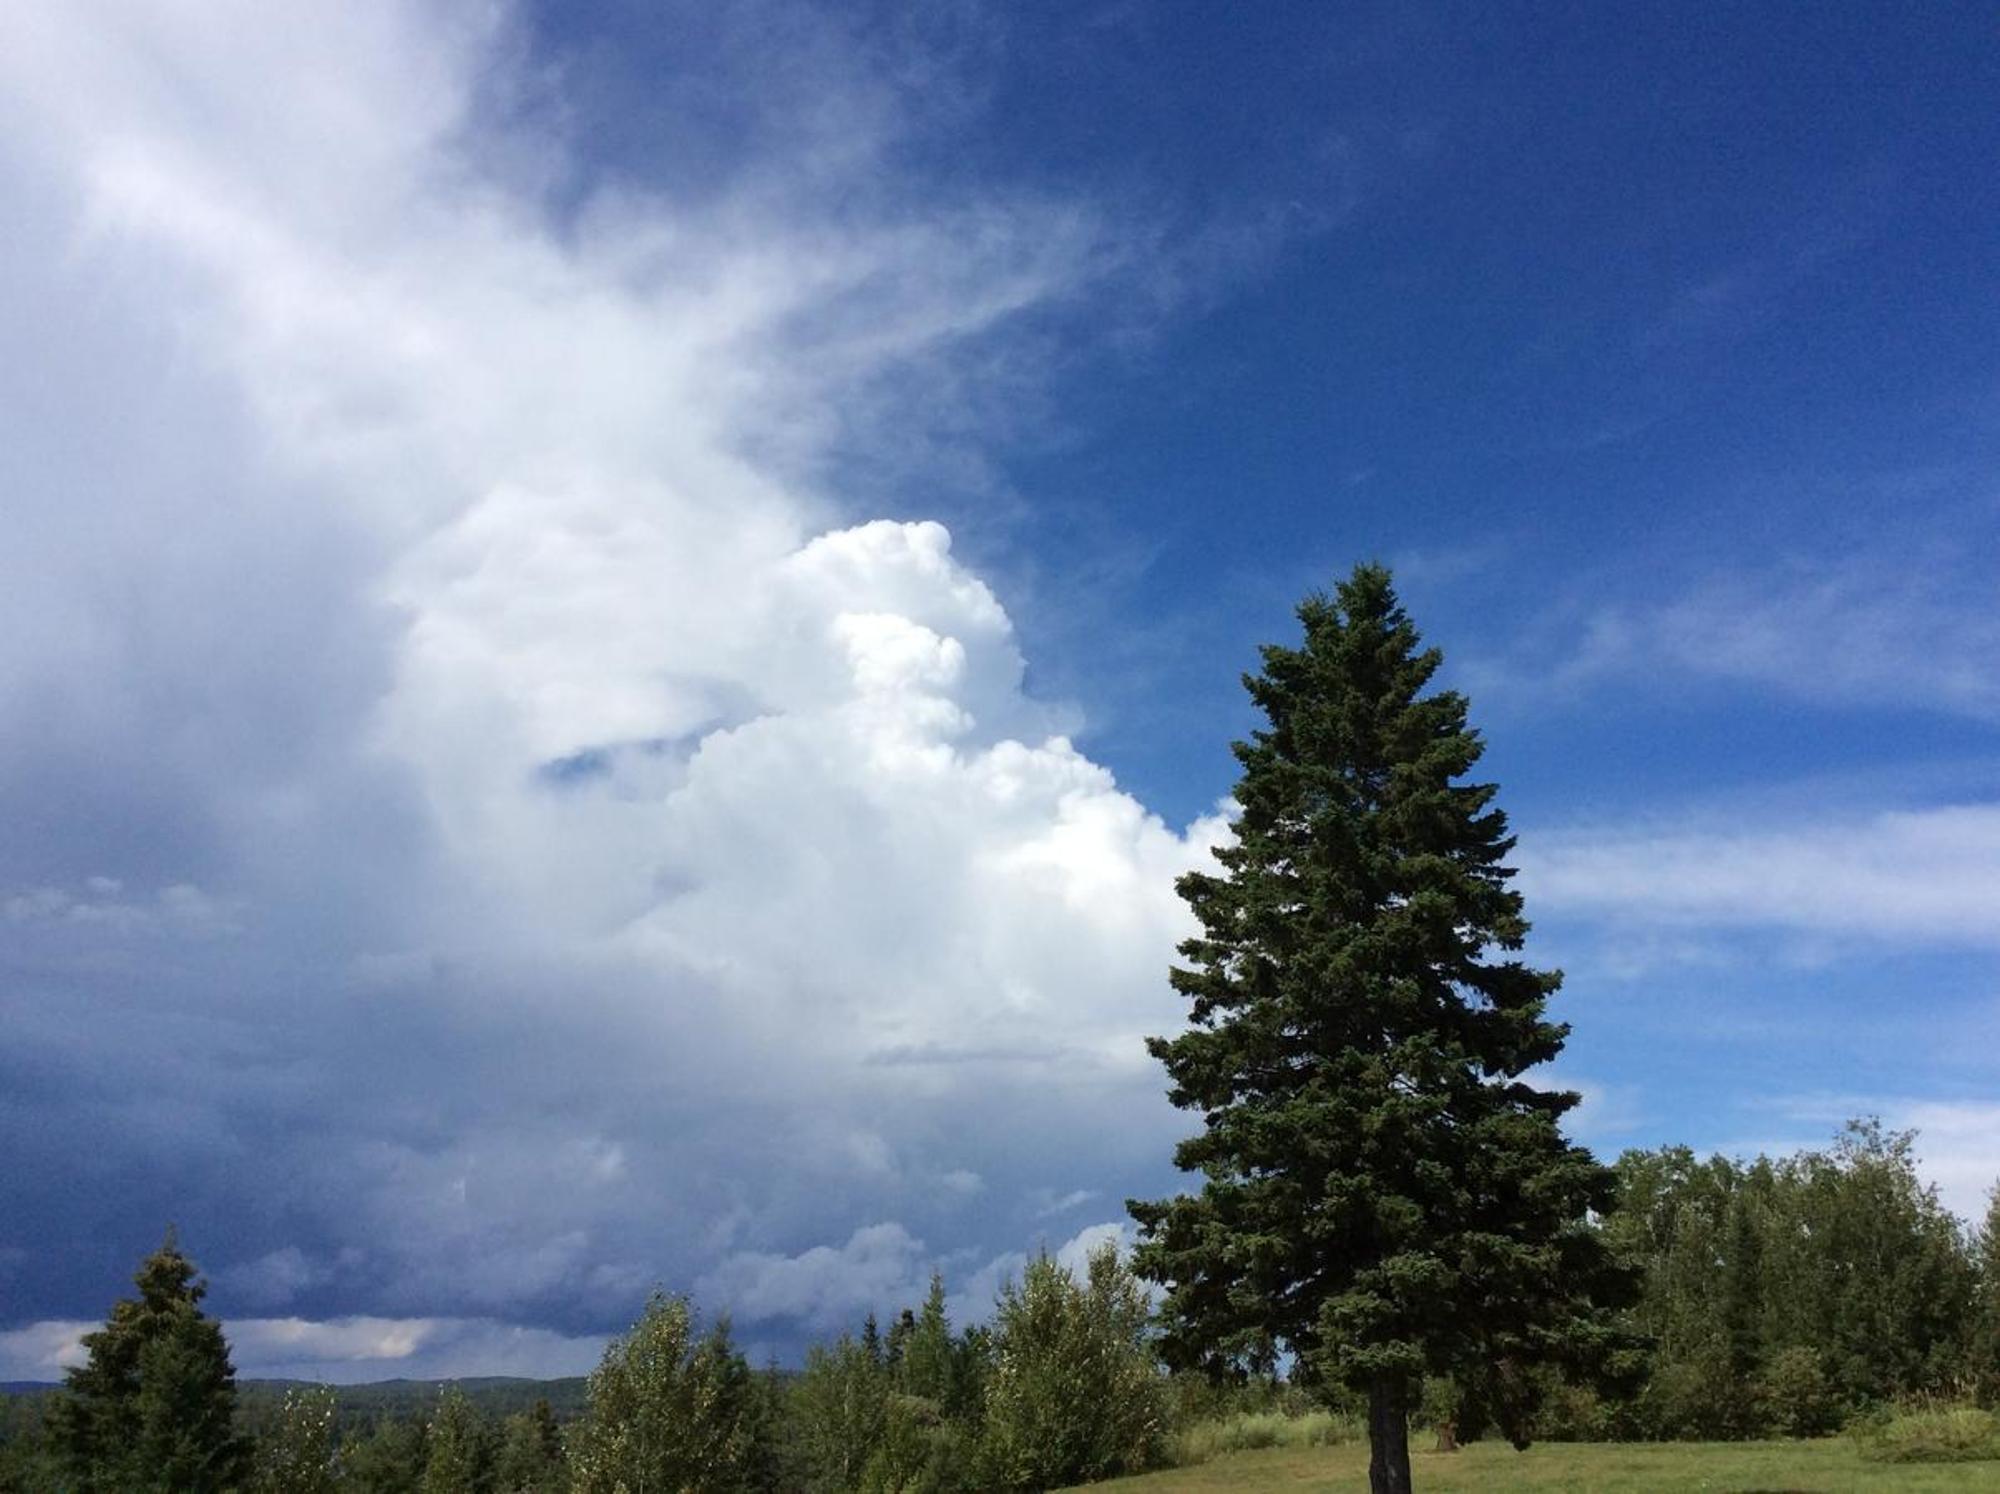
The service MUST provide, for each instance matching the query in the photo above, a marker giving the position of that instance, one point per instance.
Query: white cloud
(877, 1271)
(882, 1269)
(43, 1351)
(100, 907)
(1958, 1148)
(1915, 877)
(639, 858)
(1892, 628)
(339, 1351)
(1062, 1204)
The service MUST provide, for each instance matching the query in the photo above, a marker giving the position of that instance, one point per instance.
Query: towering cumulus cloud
(496, 826)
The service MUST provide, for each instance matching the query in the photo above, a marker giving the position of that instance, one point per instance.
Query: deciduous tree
(1076, 1392)
(297, 1455)
(669, 1409)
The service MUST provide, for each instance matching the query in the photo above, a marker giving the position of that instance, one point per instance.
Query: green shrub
(1574, 1413)
(919, 1452)
(1929, 1434)
(1075, 1393)
(1697, 1399)
(1795, 1395)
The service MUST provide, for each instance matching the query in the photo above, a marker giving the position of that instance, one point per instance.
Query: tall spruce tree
(153, 1408)
(1384, 1195)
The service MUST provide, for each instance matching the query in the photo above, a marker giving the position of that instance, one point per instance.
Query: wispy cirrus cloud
(1918, 877)
(1896, 628)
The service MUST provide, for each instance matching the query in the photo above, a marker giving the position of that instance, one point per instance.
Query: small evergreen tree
(530, 1459)
(971, 1371)
(1384, 1195)
(389, 1460)
(925, 1369)
(153, 1408)
(898, 1340)
(871, 1342)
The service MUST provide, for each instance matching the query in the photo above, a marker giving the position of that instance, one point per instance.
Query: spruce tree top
(153, 1407)
(1383, 1195)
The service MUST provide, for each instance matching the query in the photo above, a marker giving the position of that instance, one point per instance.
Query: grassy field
(1828, 1465)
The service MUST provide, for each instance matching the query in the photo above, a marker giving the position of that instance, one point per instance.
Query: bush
(920, 1453)
(1796, 1397)
(1076, 1393)
(1929, 1434)
(1696, 1399)
(1574, 1413)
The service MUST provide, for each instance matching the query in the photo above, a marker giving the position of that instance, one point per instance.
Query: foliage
(927, 1365)
(1075, 1392)
(28, 1464)
(389, 1460)
(840, 1407)
(668, 1410)
(1983, 1352)
(903, 1416)
(1384, 1196)
(1794, 1396)
(455, 1446)
(920, 1452)
(1781, 1296)
(1569, 1412)
(530, 1456)
(154, 1406)
(295, 1455)
(1930, 1434)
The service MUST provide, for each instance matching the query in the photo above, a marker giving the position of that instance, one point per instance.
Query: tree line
(1779, 1297)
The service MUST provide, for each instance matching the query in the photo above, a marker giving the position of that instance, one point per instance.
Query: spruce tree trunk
(1388, 1438)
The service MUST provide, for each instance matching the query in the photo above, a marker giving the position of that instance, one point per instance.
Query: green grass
(1827, 1464)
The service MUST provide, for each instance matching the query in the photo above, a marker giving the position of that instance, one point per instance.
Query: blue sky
(615, 619)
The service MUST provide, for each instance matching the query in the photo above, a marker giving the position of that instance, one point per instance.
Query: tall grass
(1202, 1440)
(1928, 1433)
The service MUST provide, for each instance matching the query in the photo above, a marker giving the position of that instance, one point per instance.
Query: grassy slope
(1577, 1468)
